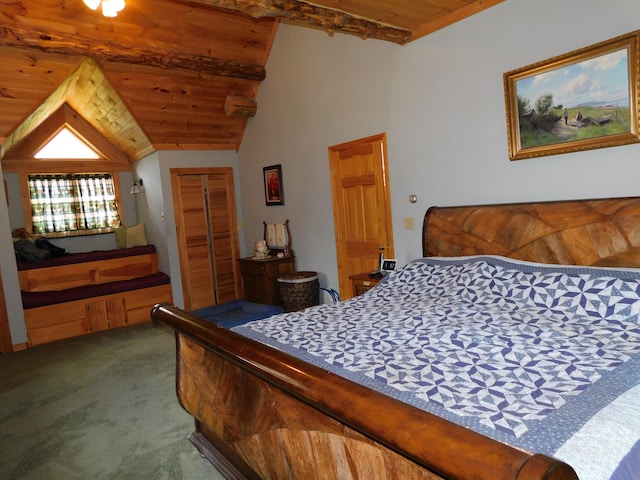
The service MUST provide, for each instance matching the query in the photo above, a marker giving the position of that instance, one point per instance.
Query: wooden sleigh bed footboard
(261, 413)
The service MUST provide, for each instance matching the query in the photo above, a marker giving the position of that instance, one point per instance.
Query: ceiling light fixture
(110, 8)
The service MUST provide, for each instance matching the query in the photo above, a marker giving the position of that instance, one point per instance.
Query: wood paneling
(87, 102)
(27, 78)
(163, 68)
(183, 109)
(158, 77)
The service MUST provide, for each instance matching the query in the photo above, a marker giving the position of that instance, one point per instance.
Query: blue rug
(237, 312)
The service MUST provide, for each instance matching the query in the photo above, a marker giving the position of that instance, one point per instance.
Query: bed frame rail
(297, 420)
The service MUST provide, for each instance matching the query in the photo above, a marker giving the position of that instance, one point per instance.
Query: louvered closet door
(224, 235)
(195, 250)
(204, 202)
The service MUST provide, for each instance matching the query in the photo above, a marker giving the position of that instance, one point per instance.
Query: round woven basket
(299, 290)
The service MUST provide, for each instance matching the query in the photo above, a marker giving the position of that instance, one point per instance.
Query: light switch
(408, 223)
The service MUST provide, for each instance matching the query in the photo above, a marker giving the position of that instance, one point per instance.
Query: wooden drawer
(260, 278)
(50, 315)
(256, 267)
(140, 302)
(148, 297)
(361, 282)
(59, 331)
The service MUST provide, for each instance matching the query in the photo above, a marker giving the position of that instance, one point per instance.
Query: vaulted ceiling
(171, 74)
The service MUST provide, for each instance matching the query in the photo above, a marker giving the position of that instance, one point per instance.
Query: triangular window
(66, 145)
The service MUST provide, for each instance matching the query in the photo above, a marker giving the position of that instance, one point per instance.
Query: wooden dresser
(260, 278)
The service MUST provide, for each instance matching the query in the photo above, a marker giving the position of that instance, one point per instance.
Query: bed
(535, 377)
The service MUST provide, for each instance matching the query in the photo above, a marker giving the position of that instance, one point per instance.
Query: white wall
(440, 100)
(320, 91)
(9, 272)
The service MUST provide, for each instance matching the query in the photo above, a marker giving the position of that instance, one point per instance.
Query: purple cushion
(88, 257)
(39, 299)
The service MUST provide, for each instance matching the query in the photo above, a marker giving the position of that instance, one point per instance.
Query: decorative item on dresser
(334, 412)
(277, 236)
(271, 258)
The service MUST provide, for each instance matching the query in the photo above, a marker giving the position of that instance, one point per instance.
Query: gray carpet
(101, 406)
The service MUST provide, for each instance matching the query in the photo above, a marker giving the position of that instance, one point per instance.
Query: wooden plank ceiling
(171, 74)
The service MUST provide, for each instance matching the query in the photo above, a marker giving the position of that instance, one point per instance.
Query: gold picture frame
(581, 100)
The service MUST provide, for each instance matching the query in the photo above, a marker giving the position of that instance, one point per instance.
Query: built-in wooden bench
(87, 292)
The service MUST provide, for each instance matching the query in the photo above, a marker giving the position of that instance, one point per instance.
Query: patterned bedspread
(545, 358)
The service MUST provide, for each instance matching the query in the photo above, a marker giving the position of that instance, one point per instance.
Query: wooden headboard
(601, 232)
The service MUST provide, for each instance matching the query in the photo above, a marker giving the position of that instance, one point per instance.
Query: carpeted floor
(101, 406)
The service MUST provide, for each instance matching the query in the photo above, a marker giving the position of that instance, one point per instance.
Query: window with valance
(73, 204)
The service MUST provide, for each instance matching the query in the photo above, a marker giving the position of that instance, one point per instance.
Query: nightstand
(361, 282)
(260, 278)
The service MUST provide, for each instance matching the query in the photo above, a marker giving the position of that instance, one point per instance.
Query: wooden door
(361, 207)
(194, 250)
(204, 204)
(224, 237)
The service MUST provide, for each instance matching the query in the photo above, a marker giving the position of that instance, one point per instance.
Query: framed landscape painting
(577, 101)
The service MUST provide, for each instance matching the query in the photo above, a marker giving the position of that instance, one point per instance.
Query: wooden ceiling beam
(33, 37)
(243, 107)
(327, 19)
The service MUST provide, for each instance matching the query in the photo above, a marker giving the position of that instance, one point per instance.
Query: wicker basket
(299, 290)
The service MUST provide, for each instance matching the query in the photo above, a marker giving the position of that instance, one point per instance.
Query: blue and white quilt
(542, 357)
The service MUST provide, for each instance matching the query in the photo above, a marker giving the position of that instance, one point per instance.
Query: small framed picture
(273, 192)
(388, 265)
